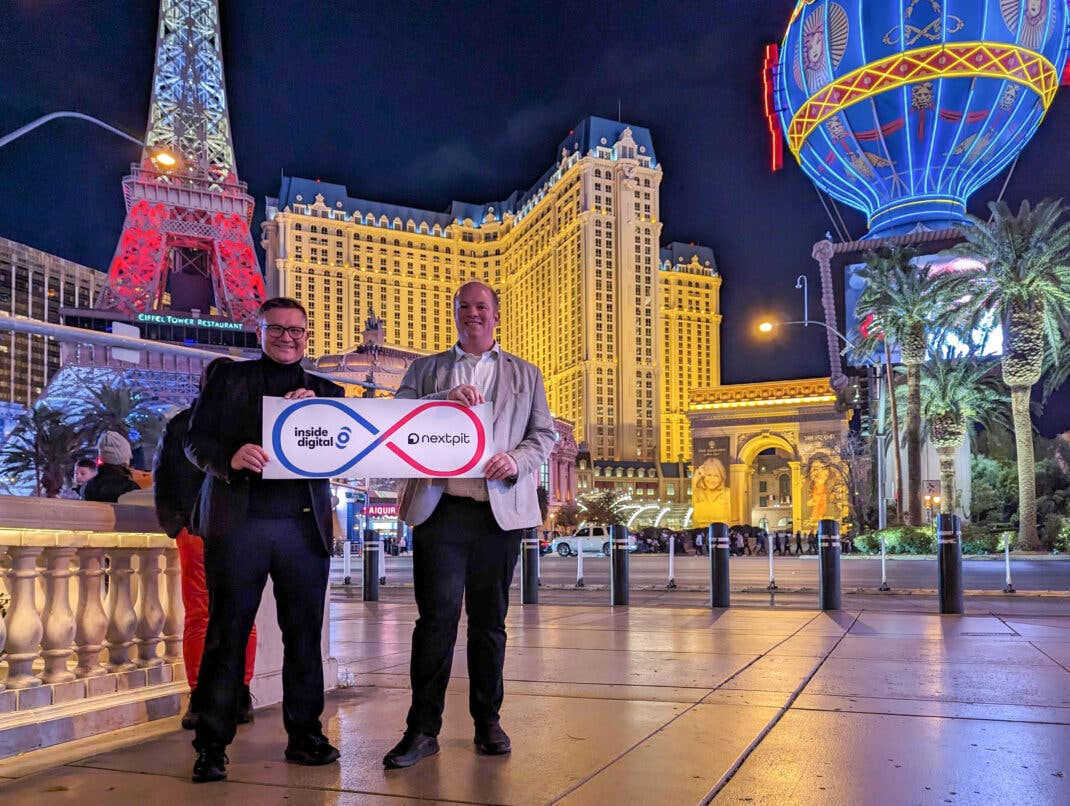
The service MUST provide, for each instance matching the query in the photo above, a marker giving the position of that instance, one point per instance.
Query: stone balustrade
(92, 638)
(88, 622)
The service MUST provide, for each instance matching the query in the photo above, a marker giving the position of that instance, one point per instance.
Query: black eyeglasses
(276, 331)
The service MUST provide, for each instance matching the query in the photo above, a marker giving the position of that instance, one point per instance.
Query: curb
(1020, 594)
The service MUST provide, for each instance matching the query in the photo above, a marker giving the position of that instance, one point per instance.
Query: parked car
(545, 543)
(595, 540)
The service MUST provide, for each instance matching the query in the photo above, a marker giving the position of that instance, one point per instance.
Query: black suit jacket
(227, 415)
(176, 481)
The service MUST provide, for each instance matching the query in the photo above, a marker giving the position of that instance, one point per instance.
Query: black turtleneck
(278, 498)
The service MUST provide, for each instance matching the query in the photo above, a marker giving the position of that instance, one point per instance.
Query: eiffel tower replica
(184, 269)
(186, 243)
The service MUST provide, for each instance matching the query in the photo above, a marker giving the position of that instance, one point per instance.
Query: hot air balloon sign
(903, 109)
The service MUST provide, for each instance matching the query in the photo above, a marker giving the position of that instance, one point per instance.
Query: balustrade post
(122, 619)
(150, 610)
(24, 626)
(174, 623)
(58, 618)
(91, 622)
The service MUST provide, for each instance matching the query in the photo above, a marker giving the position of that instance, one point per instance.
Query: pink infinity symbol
(481, 439)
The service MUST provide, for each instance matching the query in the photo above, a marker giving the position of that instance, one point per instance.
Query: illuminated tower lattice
(186, 243)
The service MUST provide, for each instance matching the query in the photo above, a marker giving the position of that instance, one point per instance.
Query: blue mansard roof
(677, 254)
(295, 190)
(584, 139)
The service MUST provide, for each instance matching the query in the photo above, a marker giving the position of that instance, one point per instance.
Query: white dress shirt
(481, 371)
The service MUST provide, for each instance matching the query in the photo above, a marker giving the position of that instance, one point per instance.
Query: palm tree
(905, 304)
(118, 408)
(603, 507)
(955, 393)
(1025, 285)
(44, 447)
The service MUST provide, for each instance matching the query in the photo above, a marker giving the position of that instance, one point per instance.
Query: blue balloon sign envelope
(376, 437)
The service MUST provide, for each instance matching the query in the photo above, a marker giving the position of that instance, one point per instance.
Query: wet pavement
(666, 705)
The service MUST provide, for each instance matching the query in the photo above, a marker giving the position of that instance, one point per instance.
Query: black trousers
(236, 567)
(460, 550)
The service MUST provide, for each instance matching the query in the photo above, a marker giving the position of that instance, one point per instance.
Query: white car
(595, 540)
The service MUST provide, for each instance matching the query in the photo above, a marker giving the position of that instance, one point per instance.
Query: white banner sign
(375, 437)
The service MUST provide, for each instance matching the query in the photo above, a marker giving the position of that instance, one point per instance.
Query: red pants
(195, 600)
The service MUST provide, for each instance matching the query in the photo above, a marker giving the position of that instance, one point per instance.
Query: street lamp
(767, 326)
(161, 156)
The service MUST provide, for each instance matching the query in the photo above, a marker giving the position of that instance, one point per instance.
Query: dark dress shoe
(311, 751)
(412, 747)
(211, 765)
(491, 740)
(189, 719)
(245, 707)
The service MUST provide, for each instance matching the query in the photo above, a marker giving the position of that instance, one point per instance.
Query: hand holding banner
(376, 437)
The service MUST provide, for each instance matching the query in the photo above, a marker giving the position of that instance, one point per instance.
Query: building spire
(188, 112)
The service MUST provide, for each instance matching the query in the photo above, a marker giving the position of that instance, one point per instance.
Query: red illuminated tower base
(185, 246)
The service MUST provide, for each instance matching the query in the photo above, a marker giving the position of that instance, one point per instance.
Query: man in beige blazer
(466, 532)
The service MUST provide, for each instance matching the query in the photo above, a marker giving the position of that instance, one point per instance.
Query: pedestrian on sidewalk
(798, 544)
(84, 469)
(113, 476)
(255, 528)
(176, 485)
(466, 532)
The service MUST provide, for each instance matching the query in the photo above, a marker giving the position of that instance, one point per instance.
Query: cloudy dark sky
(420, 103)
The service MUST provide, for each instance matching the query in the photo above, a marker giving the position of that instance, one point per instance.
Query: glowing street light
(765, 327)
(161, 156)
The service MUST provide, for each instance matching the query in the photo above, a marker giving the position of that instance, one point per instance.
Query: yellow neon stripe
(960, 59)
(930, 200)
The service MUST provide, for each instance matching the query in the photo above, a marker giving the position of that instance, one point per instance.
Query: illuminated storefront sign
(381, 510)
(187, 321)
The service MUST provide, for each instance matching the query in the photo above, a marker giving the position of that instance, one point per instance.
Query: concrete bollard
(579, 563)
(769, 550)
(672, 562)
(618, 565)
(1008, 588)
(529, 567)
(347, 562)
(372, 550)
(949, 562)
(720, 550)
(828, 559)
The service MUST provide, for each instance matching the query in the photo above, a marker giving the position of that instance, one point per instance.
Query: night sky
(422, 103)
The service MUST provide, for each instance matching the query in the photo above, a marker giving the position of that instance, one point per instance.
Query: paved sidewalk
(667, 706)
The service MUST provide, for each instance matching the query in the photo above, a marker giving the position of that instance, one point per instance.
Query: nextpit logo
(439, 439)
(319, 437)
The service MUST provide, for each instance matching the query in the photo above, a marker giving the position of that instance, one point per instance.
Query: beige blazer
(523, 428)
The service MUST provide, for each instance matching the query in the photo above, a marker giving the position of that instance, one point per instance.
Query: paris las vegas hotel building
(621, 328)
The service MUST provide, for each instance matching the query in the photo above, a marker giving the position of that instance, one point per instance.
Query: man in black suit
(254, 528)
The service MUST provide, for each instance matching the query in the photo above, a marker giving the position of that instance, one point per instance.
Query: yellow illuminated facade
(620, 327)
(690, 340)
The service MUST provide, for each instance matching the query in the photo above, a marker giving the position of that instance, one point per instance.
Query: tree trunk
(822, 253)
(895, 432)
(948, 487)
(913, 440)
(1027, 476)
